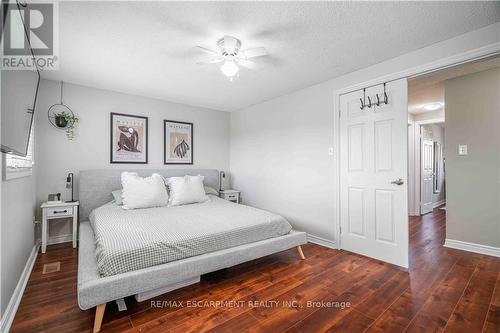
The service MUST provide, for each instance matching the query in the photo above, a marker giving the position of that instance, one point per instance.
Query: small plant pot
(61, 122)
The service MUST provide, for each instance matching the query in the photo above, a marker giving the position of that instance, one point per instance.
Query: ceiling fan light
(229, 68)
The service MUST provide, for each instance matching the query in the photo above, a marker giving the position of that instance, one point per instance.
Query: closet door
(373, 170)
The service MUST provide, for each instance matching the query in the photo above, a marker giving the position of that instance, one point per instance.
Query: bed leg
(299, 248)
(99, 313)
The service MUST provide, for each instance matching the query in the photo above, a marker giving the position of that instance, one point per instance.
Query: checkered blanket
(128, 240)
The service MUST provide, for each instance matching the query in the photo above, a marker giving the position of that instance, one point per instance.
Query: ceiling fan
(230, 53)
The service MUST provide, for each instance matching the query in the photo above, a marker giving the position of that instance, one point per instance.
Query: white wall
(18, 206)
(56, 155)
(279, 148)
(473, 181)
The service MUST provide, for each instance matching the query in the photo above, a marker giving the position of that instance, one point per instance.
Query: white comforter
(128, 240)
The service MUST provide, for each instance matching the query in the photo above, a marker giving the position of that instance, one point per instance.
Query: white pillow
(210, 190)
(186, 190)
(117, 195)
(141, 192)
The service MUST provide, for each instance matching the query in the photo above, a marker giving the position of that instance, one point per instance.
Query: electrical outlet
(330, 151)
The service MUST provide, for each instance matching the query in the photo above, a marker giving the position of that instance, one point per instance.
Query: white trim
(457, 59)
(10, 311)
(439, 203)
(321, 241)
(336, 145)
(472, 247)
(430, 121)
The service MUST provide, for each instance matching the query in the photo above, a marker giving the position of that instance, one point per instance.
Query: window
(18, 166)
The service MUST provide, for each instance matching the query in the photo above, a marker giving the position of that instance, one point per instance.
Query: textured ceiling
(147, 48)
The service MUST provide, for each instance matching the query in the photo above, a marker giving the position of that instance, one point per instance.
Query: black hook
(369, 102)
(386, 99)
(363, 101)
(378, 100)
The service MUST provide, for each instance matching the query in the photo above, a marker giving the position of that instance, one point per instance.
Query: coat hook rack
(374, 103)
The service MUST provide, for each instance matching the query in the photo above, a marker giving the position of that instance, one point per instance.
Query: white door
(426, 175)
(373, 171)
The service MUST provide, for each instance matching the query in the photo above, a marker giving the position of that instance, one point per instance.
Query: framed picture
(129, 139)
(178, 138)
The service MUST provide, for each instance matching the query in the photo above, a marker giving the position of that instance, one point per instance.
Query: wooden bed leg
(99, 313)
(299, 248)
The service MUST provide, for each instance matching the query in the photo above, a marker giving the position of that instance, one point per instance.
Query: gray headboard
(95, 186)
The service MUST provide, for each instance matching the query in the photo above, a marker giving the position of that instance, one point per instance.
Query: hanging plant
(68, 122)
(61, 117)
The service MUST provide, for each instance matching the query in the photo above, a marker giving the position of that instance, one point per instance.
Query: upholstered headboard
(95, 186)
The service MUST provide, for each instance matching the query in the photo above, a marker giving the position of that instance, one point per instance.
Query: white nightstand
(230, 195)
(51, 211)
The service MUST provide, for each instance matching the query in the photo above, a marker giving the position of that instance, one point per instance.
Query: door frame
(415, 178)
(413, 72)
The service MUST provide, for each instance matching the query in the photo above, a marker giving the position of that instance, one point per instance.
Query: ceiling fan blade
(254, 52)
(204, 49)
(248, 64)
(210, 61)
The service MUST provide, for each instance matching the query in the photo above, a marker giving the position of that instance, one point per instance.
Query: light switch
(462, 149)
(330, 151)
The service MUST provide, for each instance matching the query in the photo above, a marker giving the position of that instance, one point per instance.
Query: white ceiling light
(432, 106)
(230, 52)
(229, 68)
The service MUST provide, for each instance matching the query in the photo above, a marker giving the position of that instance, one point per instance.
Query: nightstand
(58, 210)
(230, 195)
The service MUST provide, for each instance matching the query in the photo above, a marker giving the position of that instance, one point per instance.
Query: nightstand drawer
(59, 211)
(231, 196)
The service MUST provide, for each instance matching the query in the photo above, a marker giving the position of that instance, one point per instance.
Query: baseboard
(472, 247)
(60, 239)
(321, 241)
(415, 213)
(439, 203)
(10, 311)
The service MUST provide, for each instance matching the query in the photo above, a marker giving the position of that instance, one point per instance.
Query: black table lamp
(222, 176)
(69, 184)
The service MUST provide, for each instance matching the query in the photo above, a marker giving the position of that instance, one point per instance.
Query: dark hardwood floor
(444, 290)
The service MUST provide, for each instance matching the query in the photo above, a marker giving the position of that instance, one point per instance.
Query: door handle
(398, 181)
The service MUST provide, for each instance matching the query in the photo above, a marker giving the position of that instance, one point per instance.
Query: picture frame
(128, 138)
(177, 142)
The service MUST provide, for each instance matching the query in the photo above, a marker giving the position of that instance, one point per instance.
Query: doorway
(361, 223)
(426, 144)
(440, 132)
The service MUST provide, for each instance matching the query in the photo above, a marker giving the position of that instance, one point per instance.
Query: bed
(143, 257)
